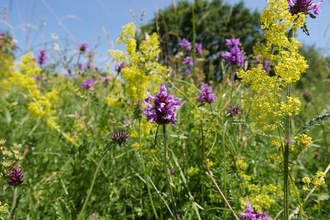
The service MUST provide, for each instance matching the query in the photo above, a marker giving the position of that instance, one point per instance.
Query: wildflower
(234, 110)
(206, 94)
(16, 177)
(163, 110)
(119, 137)
(185, 44)
(83, 48)
(89, 65)
(172, 171)
(307, 96)
(188, 61)
(118, 67)
(265, 64)
(199, 49)
(304, 6)
(80, 67)
(235, 55)
(88, 83)
(42, 57)
(105, 79)
(252, 214)
(69, 71)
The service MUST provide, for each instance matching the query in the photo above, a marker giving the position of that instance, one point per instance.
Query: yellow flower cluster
(143, 69)
(318, 180)
(303, 140)
(41, 105)
(282, 51)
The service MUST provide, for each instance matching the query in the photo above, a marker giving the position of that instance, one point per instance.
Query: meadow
(155, 140)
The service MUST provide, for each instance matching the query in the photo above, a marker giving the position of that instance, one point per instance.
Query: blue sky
(99, 22)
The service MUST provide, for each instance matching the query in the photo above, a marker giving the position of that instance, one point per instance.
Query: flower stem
(82, 212)
(144, 173)
(286, 160)
(13, 206)
(212, 178)
(166, 172)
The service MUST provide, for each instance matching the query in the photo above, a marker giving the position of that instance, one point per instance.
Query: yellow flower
(191, 171)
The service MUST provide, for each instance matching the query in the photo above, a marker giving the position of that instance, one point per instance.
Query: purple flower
(265, 64)
(206, 94)
(69, 71)
(185, 44)
(172, 171)
(42, 57)
(119, 67)
(80, 67)
(88, 83)
(105, 79)
(235, 55)
(252, 214)
(304, 6)
(199, 49)
(232, 43)
(188, 61)
(162, 111)
(234, 110)
(119, 137)
(16, 177)
(83, 47)
(89, 65)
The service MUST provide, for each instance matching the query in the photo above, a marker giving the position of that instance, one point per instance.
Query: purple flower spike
(188, 61)
(105, 79)
(235, 55)
(199, 49)
(119, 67)
(304, 6)
(16, 177)
(88, 83)
(206, 94)
(42, 57)
(185, 44)
(83, 48)
(163, 109)
(252, 214)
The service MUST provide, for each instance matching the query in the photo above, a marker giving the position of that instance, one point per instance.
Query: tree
(214, 22)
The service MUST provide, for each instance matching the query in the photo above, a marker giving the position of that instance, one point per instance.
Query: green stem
(286, 160)
(82, 212)
(166, 172)
(13, 206)
(211, 176)
(144, 173)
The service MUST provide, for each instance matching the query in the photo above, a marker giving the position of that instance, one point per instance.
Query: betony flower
(162, 110)
(119, 137)
(88, 83)
(252, 214)
(119, 67)
(235, 55)
(16, 177)
(234, 110)
(42, 57)
(83, 48)
(265, 64)
(199, 49)
(304, 6)
(188, 61)
(206, 94)
(105, 79)
(185, 44)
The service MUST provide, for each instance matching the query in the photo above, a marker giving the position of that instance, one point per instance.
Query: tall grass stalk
(211, 176)
(167, 173)
(82, 211)
(144, 172)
